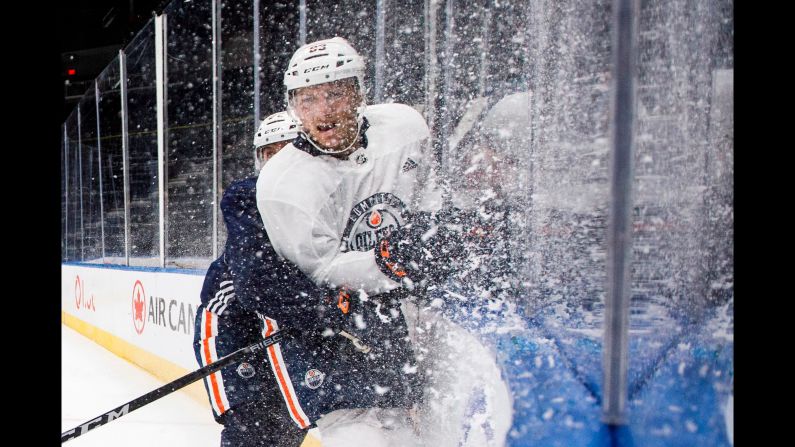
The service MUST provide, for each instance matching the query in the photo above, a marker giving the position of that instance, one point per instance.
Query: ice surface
(94, 380)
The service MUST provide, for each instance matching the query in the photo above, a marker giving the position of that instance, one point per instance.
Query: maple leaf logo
(138, 304)
(139, 307)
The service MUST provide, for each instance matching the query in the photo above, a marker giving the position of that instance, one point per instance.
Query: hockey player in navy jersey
(243, 396)
(353, 203)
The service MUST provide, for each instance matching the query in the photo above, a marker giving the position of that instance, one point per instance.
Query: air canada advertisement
(153, 311)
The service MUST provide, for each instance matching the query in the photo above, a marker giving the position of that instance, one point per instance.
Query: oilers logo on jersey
(370, 219)
(246, 371)
(314, 378)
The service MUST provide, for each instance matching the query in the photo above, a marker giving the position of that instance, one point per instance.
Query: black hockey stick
(170, 387)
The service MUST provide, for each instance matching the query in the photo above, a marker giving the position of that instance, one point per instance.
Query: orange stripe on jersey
(283, 385)
(217, 394)
(270, 327)
(282, 382)
(208, 332)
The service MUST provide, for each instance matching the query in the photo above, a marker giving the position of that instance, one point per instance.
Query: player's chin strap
(306, 144)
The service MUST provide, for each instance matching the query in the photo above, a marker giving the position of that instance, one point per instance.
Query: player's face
(264, 153)
(328, 112)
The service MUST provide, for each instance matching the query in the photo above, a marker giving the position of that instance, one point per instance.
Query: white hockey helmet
(273, 129)
(321, 62)
(324, 61)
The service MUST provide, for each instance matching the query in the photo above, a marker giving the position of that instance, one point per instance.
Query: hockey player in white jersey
(356, 173)
(351, 202)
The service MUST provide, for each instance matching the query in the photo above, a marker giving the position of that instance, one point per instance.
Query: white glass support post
(217, 123)
(619, 227)
(257, 59)
(99, 161)
(80, 182)
(380, 13)
(302, 22)
(161, 76)
(445, 127)
(125, 152)
(485, 28)
(431, 65)
(66, 192)
(447, 77)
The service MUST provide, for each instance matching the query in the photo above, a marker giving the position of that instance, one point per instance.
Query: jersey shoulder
(296, 178)
(240, 189)
(282, 167)
(217, 272)
(239, 196)
(401, 117)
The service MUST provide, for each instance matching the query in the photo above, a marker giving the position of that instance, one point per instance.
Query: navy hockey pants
(242, 395)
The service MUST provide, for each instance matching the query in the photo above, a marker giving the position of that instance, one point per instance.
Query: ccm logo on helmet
(319, 67)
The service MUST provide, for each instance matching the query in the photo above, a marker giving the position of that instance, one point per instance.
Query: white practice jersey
(325, 214)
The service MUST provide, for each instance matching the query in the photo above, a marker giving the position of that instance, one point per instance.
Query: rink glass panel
(142, 128)
(190, 134)
(90, 173)
(681, 313)
(279, 37)
(403, 64)
(237, 107)
(352, 19)
(237, 89)
(569, 194)
(64, 191)
(112, 169)
(75, 204)
(73, 234)
(548, 151)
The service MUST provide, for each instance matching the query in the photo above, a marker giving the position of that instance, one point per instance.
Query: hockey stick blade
(170, 387)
